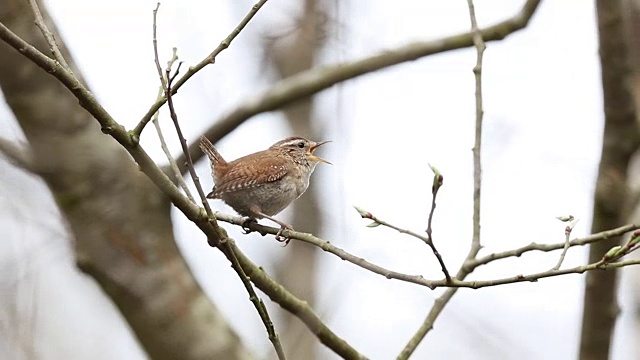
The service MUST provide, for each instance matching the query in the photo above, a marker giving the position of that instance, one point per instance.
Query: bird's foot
(245, 224)
(281, 238)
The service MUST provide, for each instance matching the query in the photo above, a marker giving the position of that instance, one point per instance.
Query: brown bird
(262, 184)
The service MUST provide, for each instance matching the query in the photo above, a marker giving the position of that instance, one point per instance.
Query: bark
(631, 13)
(120, 221)
(620, 141)
(291, 54)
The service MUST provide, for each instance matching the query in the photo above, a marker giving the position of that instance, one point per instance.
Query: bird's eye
(301, 144)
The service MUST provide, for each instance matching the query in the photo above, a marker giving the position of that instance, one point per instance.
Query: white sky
(543, 123)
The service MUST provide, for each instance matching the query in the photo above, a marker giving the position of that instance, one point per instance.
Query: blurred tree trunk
(120, 221)
(631, 11)
(290, 54)
(620, 142)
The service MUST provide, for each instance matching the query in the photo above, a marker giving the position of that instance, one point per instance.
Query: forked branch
(312, 81)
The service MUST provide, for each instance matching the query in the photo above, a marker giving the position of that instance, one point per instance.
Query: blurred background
(543, 129)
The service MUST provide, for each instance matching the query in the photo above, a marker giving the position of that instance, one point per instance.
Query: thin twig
(390, 274)
(477, 148)
(253, 297)
(551, 247)
(328, 247)
(454, 283)
(109, 126)
(172, 162)
(438, 180)
(166, 80)
(156, 57)
(599, 265)
(442, 301)
(567, 236)
(619, 251)
(183, 143)
(307, 83)
(209, 59)
(51, 41)
(278, 293)
(163, 88)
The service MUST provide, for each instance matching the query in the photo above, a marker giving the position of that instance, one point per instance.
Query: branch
(197, 215)
(166, 81)
(210, 59)
(51, 41)
(567, 236)
(442, 301)
(604, 235)
(438, 180)
(309, 82)
(301, 309)
(327, 247)
(221, 243)
(163, 144)
(467, 268)
(437, 183)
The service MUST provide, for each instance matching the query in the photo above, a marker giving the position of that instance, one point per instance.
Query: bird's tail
(218, 164)
(207, 147)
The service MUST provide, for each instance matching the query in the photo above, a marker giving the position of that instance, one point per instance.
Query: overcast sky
(543, 124)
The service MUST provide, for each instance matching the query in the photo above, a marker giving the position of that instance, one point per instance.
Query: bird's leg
(283, 226)
(245, 224)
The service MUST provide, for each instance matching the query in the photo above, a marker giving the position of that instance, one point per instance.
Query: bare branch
(210, 59)
(467, 268)
(192, 170)
(604, 235)
(441, 302)
(194, 213)
(167, 81)
(328, 247)
(163, 144)
(51, 41)
(426, 239)
(438, 180)
(567, 236)
(477, 148)
(309, 82)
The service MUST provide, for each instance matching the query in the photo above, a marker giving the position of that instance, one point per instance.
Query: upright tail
(218, 164)
(207, 147)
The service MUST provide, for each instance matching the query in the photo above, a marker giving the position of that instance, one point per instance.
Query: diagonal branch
(604, 235)
(167, 81)
(309, 82)
(194, 213)
(468, 266)
(441, 302)
(53, 46)
(210, 59)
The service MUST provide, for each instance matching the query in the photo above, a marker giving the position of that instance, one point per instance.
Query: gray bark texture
(620, 142)
(120, 220)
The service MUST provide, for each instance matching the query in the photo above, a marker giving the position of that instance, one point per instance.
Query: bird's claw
(281, 238)
(246, 223)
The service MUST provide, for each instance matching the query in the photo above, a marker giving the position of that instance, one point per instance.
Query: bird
(262, 184)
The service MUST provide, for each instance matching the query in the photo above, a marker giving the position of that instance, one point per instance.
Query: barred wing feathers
(250, 172)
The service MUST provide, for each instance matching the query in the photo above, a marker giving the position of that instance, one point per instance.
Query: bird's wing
(250, 172)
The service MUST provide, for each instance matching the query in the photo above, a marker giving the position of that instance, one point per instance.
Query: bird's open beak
(317, 158)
